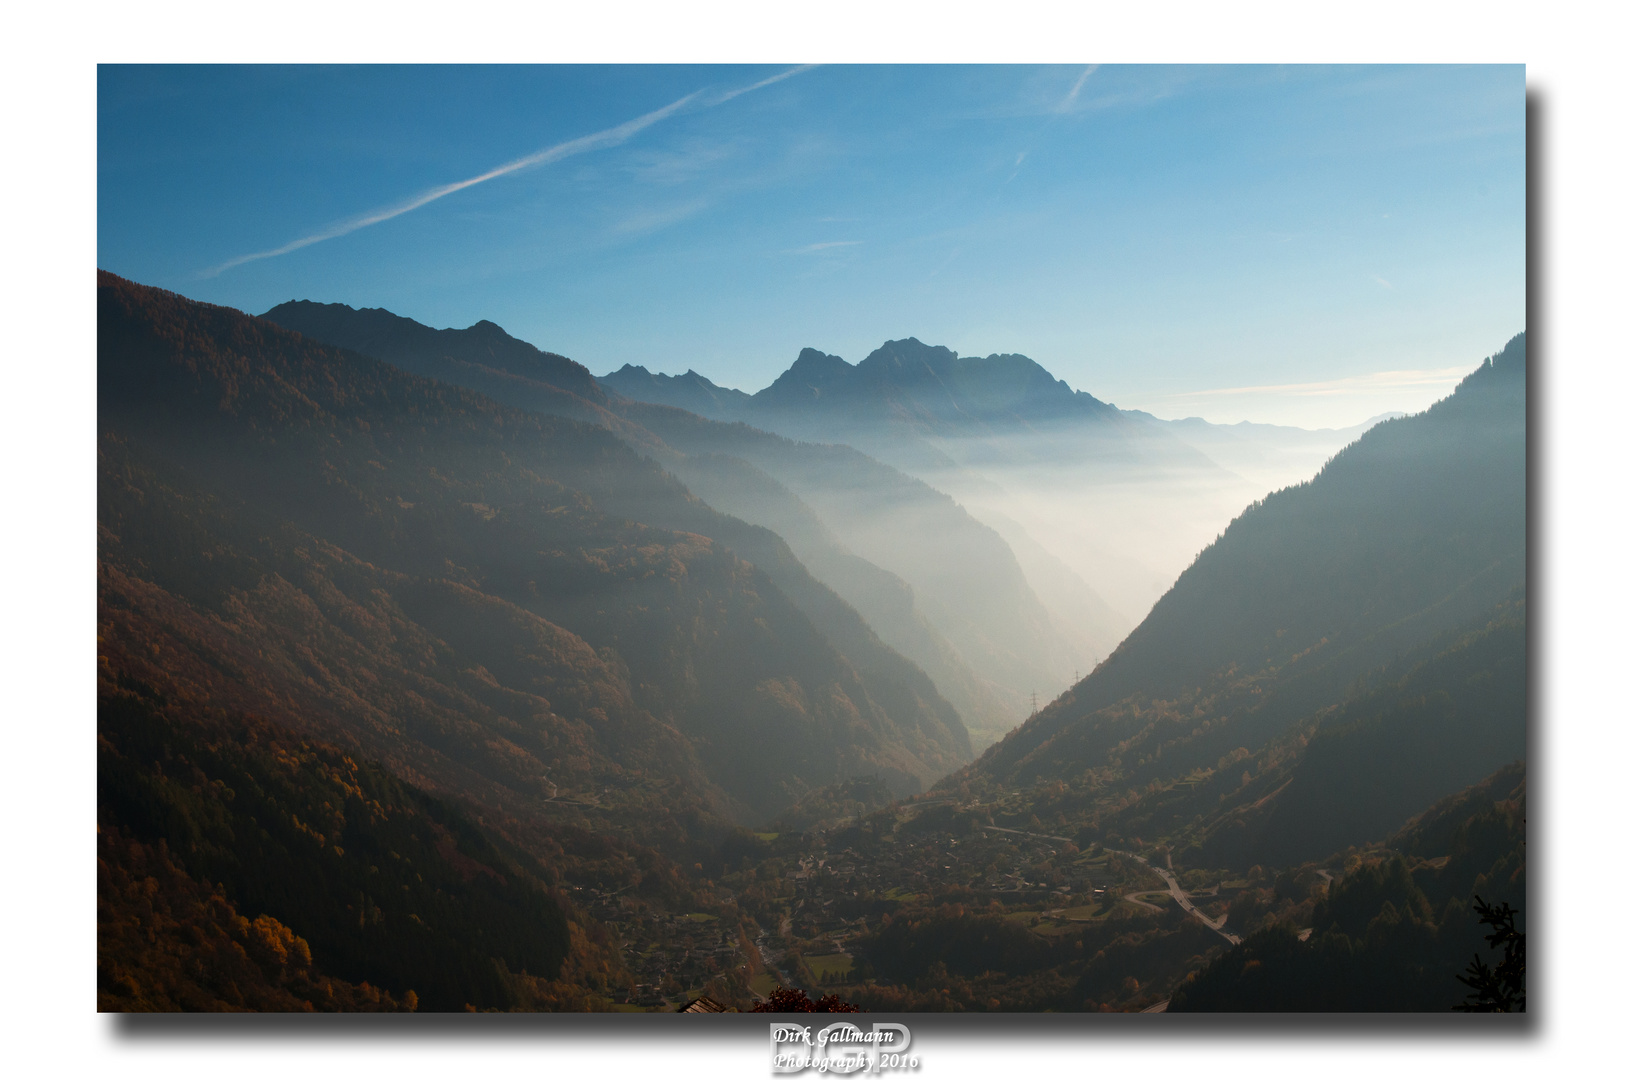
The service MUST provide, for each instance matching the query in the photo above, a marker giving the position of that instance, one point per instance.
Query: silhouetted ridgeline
(952, 598)
(1410, 530)
(423, 685)
(1415, 531)
(453, 356)
(473, 519)
(904, 385)
(409, 571)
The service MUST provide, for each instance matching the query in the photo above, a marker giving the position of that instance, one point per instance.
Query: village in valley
(795, 907)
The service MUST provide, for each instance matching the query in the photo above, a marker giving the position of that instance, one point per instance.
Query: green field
(830, 968)
(699, 916)
(1054, 929)
(1083, 911)
(1022, 918)
(764, 984)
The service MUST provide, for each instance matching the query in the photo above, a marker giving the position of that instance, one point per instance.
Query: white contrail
(769, 81)
(1072, 95)
(599, 139)
(608, 137)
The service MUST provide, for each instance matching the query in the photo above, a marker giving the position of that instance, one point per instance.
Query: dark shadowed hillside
(485, 359)
(434, 573)
(1417, 528)
(965, 581)
(885, 600)
(343, 869)
(1349, 651)
(1395, 934)
(934, 584)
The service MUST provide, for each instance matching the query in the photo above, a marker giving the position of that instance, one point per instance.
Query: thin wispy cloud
(696, 158)
(652, 220)
(1131, 87)
(1382, 282)
(1378, 381)
(598, 140)
(1016, 166)
(1072, 95)
(827, 245)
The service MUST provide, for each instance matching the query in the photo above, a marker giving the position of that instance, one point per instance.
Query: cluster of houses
(824, 898)
(665, 954)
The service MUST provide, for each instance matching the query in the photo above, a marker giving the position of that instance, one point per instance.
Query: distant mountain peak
(812, 355)
(910, 358)
(913, 348)
(814, 375)
(813, 362)
(930, 385)
(691, 390)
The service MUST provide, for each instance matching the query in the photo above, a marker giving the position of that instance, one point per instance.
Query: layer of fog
(1124, 531)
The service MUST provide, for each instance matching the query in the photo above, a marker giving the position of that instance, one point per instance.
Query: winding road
(1024, 832)
(1174, 889)
(1180, 897)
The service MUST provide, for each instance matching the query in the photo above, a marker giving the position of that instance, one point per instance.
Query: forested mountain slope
(1299, 783)
(324, 867)
(1349, 651)
(433, 574)
(885, 600)
(1395, 934)
(484, 358)
(937, 586)
(964, 579)
(1417, 528)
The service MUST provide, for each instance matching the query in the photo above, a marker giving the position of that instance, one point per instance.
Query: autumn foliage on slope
(222, 827)
(796, 1000)
(394, 514)
(165, 943)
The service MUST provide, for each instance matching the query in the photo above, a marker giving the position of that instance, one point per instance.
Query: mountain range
(434, 672)
(1105, 505)
(933, 582)
(456, 551)
(1363, 632)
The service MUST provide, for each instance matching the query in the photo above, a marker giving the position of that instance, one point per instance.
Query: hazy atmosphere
(811, 539)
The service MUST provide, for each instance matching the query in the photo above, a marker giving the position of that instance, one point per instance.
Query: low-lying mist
(1092, 533)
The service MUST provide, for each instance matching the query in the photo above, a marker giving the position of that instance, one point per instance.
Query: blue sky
(1285, 244)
